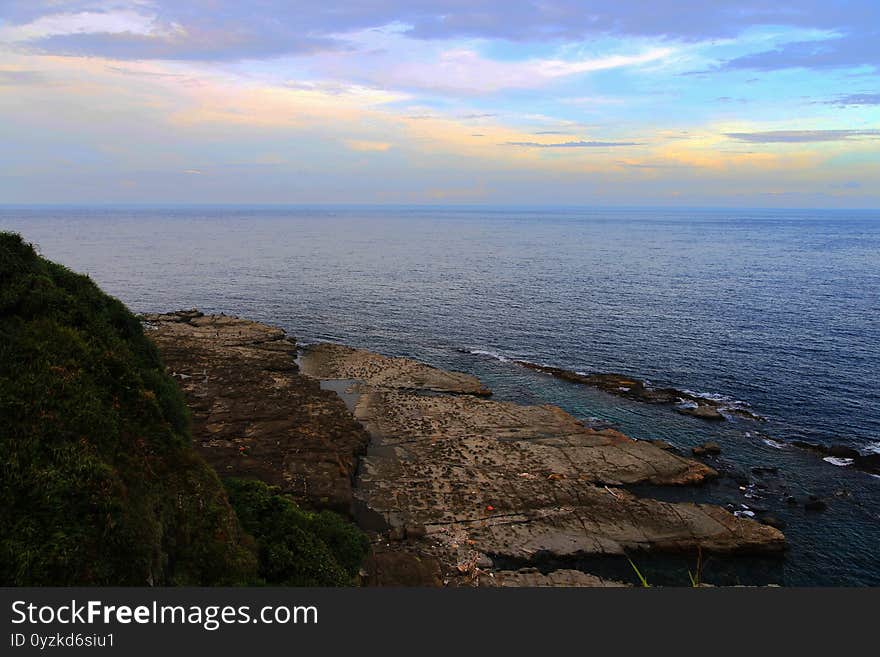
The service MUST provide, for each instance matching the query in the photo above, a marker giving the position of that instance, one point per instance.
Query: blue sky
(749, 103)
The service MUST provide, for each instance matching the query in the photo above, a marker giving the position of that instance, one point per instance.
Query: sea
(776, 311)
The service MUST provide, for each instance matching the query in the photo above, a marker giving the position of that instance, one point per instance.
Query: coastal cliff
(100, 482)
(100, 485)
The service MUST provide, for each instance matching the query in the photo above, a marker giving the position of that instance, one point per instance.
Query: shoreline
(699, 405)
(459, 480)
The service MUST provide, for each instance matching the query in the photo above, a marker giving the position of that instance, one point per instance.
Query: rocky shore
(254, 415)
(454, 487)
(843, 455)
(469, 481)
(684, 402)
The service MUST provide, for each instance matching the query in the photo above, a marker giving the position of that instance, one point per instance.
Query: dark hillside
(100, 484)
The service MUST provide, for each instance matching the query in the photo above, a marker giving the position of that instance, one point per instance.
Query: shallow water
(778, 309)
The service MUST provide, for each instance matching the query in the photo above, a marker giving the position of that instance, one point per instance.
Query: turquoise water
(776, 309)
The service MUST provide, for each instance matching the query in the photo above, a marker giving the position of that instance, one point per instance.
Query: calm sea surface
(778, 309)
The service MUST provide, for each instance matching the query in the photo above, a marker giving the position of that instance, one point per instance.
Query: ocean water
(777, 309)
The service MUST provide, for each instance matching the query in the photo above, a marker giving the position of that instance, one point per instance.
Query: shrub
(296, 548)
(99, 483)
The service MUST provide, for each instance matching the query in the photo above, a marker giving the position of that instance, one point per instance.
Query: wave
(490, 354)
(724, 402)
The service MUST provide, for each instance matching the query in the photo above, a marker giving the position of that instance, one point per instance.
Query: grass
(642, 580)
(694, 576)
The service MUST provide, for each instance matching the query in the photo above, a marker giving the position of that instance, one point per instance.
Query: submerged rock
(843, 455)
(772, 520)
(702, 411)
(685, 402)
(706, 449)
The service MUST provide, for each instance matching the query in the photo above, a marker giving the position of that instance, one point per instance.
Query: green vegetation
(695, 577)
(99, 483)
(642, 579)
(296, 548)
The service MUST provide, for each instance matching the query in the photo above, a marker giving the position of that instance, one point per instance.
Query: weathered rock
(178, 316)
(536, 442)
(415, 532)
(866, 462)
(517, 482)
(532, 577)
(842, 451)
(706, 449)
(772, 520)
(662, 444)
(334, 361)
(253, 414)
(702, 411)
(402, 568)
(632, 388)
(463, 479)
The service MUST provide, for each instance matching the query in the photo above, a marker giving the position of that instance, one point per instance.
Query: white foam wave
(836, 460)
(490, 354)
(724, 400)
(872, 448)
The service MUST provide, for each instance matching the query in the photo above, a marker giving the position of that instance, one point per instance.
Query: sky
(754, 103)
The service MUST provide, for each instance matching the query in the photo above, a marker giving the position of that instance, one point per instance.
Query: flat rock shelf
(254, 415)
(470, 481)
(454, 488)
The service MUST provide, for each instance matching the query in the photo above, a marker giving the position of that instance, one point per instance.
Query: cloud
(800, 136)
(367, 146)
(653, 165)
(165, 30)
(231, 29)
(14, 78)
(212, 45)
(124, 21)
(573, 144)
(690, 20)
(850, 100)
(845, 51)
(466, 70)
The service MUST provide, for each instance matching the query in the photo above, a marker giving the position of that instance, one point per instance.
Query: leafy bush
(99, 483)
(296, 548)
